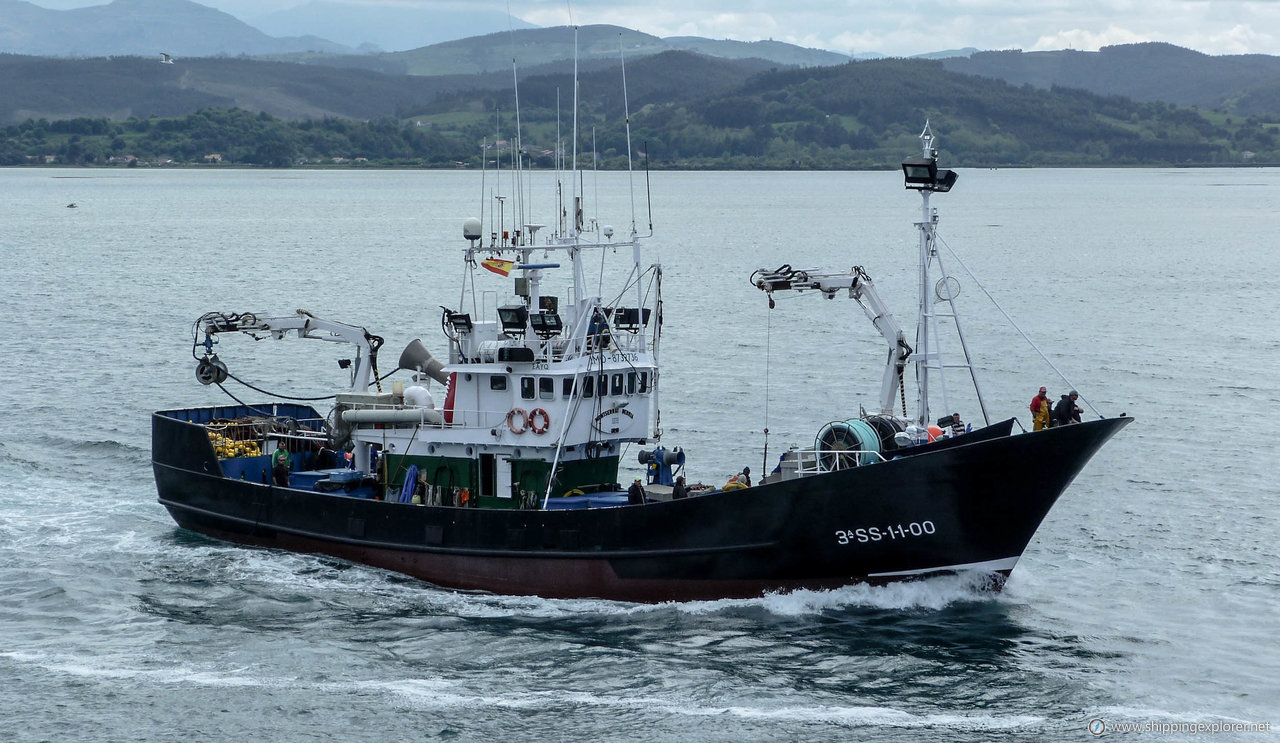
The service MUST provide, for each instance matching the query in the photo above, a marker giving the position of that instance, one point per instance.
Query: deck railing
(817, 461)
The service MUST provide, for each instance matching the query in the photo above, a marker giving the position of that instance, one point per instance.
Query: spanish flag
(498, 266)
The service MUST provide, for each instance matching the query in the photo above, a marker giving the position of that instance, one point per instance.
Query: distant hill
(539, 46)
(672, 77)
(773, 51)
(860, 114)
(143, 27)
(967, 51)
(117, 88)
(493, 52)
(1240, 84)
(389, 28)
(687, 111)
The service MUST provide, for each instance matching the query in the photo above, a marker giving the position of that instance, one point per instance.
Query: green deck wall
(459, 472)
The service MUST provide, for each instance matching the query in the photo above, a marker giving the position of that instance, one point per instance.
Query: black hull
(965, 506)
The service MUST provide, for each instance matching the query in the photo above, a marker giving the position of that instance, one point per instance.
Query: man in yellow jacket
(1040, 409)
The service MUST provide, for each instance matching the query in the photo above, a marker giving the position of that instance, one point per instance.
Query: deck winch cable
(257, 410)
(768, 353)
(1025, 337)
(272, 394)
(768, 338)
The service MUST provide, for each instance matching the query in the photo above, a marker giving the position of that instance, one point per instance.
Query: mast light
(923, 174)
(514, 319)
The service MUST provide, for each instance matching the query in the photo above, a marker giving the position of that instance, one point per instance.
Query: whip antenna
(626, 110)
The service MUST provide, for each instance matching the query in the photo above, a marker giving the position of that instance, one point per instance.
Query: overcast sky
(893, 27)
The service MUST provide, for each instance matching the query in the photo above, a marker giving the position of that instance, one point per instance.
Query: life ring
(533, 421)
(511, 420)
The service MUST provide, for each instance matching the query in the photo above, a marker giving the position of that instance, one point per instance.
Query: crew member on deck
(635, 494)
(1066, 411)
(679, 490)
(745, 477)
(1040, 409)
(280, 465)
(957, 427)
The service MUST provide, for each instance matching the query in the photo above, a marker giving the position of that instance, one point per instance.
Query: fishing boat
(506, 478)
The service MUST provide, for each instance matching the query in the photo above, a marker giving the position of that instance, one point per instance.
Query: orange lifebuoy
(511, 420)
(533, 421)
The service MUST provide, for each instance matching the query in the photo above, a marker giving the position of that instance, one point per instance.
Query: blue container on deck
(344, 475)
(250, 469)
(307, 479)
(590, 500)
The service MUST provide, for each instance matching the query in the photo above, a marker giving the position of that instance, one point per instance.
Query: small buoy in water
(73, 205)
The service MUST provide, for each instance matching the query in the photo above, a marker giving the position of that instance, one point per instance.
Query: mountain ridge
(1246, 84)
(140, 27)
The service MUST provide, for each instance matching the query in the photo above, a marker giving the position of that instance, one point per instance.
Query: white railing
(256, 429)
(810, 461)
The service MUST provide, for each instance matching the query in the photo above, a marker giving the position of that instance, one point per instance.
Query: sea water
(1149, 596)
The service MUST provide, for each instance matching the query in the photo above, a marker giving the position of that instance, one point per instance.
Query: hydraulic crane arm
(305, 325)
(861, 289)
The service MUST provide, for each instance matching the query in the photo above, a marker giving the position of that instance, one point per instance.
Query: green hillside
(1239, 84)
(530, 47)
(687, 111)
(861, 114)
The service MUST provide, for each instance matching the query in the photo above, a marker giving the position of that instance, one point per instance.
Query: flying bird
(165, 58)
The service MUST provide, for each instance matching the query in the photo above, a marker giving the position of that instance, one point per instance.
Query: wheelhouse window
(498, 382)
(631, 383)
(527, 388)
(567, 387)
(588, 386)
(603, 384)
(547, 388)
(617, 385)
(644, 383)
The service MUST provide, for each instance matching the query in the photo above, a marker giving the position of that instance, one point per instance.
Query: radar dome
(471, 229)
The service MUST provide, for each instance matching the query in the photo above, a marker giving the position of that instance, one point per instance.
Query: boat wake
(931, 594)
(301, 574)
(439, 693)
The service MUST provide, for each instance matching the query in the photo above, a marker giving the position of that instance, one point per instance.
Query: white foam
(439, 693)
(443, 693)
(931, 594)
(299, 572)
(167, 675)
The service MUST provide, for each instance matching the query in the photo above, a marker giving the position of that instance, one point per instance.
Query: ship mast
(922, 174)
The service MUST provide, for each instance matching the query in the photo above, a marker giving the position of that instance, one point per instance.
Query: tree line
(859, 115)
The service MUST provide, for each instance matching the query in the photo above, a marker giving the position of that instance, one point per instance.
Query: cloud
(1239, 39)
(1088, 41)
(903, 27)
(917, 26)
